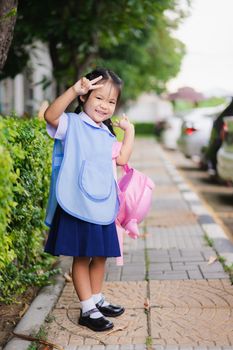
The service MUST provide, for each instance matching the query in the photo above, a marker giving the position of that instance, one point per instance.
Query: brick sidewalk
(190, 300)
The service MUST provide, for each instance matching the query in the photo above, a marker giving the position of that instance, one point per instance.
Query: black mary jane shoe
(110, 310)
(96, 324)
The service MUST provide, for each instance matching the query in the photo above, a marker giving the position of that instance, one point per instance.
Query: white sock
(89, 305)
(98, 297)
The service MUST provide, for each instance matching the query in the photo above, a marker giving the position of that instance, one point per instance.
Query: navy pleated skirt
(71, 236)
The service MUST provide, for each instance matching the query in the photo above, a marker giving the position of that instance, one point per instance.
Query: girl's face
(101, 103)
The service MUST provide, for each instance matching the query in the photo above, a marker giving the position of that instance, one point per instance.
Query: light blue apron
(82, 180)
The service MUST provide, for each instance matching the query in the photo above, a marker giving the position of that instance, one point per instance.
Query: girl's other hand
(84, 85)
(123, 123)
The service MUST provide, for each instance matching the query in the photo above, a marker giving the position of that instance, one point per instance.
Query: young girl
(83, 225)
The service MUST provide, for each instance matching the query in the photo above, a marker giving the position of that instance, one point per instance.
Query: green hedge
(25, 165)
(144, 129)
(141, 129)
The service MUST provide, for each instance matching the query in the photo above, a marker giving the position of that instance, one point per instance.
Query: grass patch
(50, 318)
(42, 335)
(147, 265)
(208, 240)
(228, 269)
(149, 342)
(146, 256)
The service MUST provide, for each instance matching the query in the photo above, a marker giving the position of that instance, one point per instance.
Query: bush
(141, 129)
(25, 165)
(144, 129)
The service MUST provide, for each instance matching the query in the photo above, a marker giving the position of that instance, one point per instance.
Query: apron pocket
(95, 180)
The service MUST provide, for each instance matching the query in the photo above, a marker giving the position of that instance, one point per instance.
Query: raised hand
(84, 85)
(123, 123)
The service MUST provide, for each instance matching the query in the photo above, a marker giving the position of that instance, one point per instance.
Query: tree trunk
(8, 9)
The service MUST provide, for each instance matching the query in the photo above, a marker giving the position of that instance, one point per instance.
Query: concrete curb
(214, 231)
(39, 309)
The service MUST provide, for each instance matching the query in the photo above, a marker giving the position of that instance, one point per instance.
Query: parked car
(225, 153)
(171, 132)
(216, 139)
(196, 130)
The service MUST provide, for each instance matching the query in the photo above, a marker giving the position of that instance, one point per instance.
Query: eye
(98, 98)
(113, 102)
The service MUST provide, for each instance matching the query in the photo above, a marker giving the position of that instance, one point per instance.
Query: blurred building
(149, 107)
(25, 93)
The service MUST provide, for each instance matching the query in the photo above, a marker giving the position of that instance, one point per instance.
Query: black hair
(107, 75)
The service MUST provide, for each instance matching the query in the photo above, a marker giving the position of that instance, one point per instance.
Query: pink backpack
(135, 193)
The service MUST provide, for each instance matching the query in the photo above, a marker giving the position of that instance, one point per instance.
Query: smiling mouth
(103, 114)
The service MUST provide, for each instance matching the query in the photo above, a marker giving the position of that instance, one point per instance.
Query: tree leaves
(131, 37)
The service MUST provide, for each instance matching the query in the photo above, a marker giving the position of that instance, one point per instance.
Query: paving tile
(214, 267)
(169, 204)
(180, 257)
(168, 276)
(205, 219)
(133, 269)
(184, 187)
(175, 218)
(165, 191)
(190, 196)
(160, 267)
(140, 347)
(194, 275)
(183, 266)
(98, 347)
(113, 277)
(178, 179)
(180, 237)
(59, 335)
(189, 294)
(129, 294)
(112, 347)
(71, 347)
(129, 278)
(127, 347)
(199, 209)
(192, 326)
(214, 231)
(215, 275)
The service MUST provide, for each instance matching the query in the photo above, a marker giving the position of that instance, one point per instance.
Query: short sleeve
(59, 132)
(116, 148)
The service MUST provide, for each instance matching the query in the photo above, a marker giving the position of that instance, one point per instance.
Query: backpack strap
(125, 168)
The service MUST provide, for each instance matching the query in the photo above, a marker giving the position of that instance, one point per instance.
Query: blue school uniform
(85, 192)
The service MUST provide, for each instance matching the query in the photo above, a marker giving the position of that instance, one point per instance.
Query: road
(217, 196)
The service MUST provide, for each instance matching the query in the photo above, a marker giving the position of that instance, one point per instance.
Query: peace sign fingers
(93, 81)
(93, 85)
(84, 85)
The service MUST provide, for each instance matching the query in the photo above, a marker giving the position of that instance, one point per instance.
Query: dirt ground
(11, 314)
